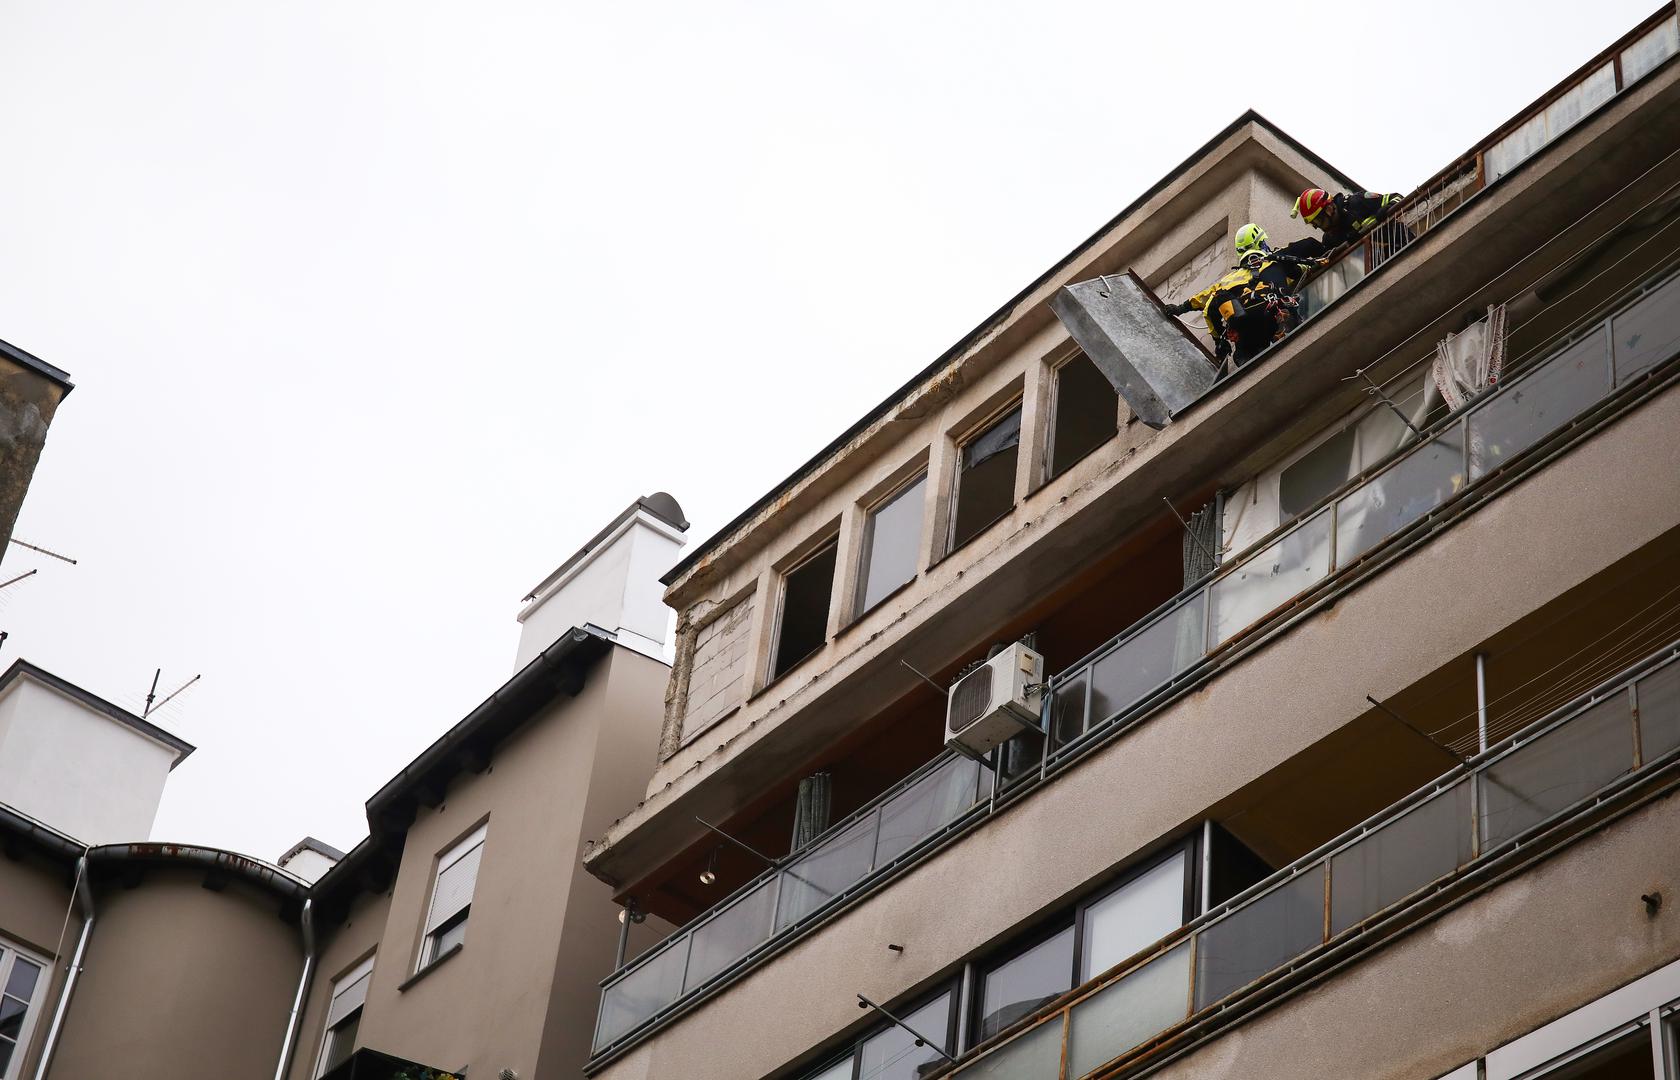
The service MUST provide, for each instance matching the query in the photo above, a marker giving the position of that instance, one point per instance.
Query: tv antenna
(20, 577)
(43, 551)
(151, 695)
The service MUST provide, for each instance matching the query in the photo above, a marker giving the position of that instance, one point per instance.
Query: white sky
(377, 311)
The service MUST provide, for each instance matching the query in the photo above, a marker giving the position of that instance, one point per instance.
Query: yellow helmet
(1251, 237)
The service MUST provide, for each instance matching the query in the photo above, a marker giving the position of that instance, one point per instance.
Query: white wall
(309, 865)
(77, 769)
(616, 587)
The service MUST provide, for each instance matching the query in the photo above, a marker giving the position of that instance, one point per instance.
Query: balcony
(1583, 761)
(1457, 462)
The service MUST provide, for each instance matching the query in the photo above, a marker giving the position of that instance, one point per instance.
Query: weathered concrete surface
(27, 403)
(1523, 954)
(1060, 528)
(1557, 529)
(1153, 365)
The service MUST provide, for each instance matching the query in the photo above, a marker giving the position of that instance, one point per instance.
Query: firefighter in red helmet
(1341, 218)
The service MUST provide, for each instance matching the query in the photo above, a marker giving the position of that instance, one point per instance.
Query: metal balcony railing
(1564, 764)
(1630, 59)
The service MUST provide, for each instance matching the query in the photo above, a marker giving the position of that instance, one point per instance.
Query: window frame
(1011, 950)
(10, 954)
(853, 1048)
(1189, 846)
(953, 497)
(809, 552)
(1052, 410)
(362, 968)
(866, 538)
(474, 840)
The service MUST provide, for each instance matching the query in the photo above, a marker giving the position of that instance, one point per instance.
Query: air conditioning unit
(995, 702)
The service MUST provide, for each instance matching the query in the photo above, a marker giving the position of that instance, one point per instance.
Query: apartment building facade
(1356, 735)
(461, 937)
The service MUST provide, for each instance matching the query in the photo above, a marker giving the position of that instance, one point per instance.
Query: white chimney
(612, 582)
(309, 858)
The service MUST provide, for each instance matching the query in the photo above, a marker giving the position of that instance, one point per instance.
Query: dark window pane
(1146, 661)
(731, 934)
(1399, 495)
(1128, 1011)
(1322, 470)
(341, 1041)
(1022, 983)
(986, 478)
(934, 802)
(6, 1048)
(1260, 936)
(1528, 410)
(1649, 332)
(626, 1004)
(1556, 770)
(805, 596)
(1427, 844)
(1134, 916)
(1271, 577)
(894, 1055)
(1067, 711)
(1087, 413)
(21, 983)
(11, 1016)
(1037, 1055)
(831, 868)
(891, 544)
(450, 934)
(1659, 712)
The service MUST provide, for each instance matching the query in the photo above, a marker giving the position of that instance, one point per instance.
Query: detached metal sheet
(1145, 353)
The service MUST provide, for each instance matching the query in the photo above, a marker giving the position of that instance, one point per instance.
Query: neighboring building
(93, 769)
(30, 390)
(461, 937)
(1368, 770)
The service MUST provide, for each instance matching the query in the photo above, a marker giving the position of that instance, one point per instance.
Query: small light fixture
(629, 913)
(709, 875)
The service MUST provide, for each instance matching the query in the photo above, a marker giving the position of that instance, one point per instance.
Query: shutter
(349, 999)
(455, 881)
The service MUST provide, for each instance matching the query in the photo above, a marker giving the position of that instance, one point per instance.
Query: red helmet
(1311, 203)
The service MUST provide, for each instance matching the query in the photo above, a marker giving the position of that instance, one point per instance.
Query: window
(344, 1016)
(22, 987)
(803, 626)
(1140, 912)
(452, 893)
(1087, 413)
(888, 1052)
(891, 544)
(1025, 981)
(985, 489)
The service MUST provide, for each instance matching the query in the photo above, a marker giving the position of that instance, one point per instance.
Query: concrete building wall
(1061, 528)
(540, 933)
(718, 675)
(340, 947)
(27, 404)
(181, 983)
(1591, 507)
(77, 769)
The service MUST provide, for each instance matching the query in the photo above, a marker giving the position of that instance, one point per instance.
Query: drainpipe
(287, 1047)
(84, 900)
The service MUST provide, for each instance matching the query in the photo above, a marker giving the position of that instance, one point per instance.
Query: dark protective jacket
(1356, 212)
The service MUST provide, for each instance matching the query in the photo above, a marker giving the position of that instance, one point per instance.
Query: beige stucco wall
(34, 913)
(1526, 952)
(521, 994)
(181, 983)
(1527, 547)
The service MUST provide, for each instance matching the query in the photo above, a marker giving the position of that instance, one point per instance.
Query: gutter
(83, 890)
(261, 874)
(289, 1044)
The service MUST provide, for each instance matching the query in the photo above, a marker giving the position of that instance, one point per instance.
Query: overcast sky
(377, 311)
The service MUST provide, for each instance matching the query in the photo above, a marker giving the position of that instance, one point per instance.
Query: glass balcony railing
(1146, 661)
(1121, 680)
(788, 896)
(1614, 70)
(1565, 763)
